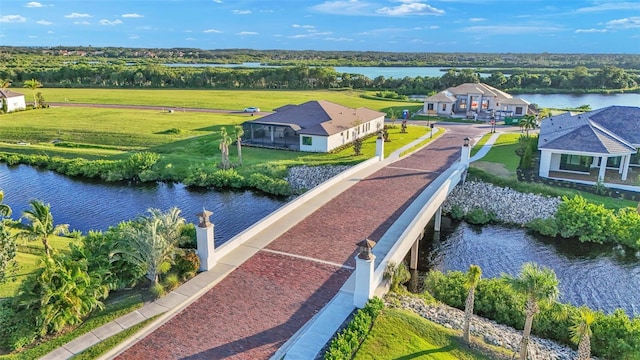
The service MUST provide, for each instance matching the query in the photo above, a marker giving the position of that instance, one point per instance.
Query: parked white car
(252, 109)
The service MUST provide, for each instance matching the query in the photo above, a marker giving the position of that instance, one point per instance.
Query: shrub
(396, 274)
(18, 327)
(157, 291)
(479, 216)
(186, 264)
(546, 227)
(171, 281)
(346, 342)
(588, 222)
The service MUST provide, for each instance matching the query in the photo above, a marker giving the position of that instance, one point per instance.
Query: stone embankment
(509, 206)
(489, 331)
(304, 177)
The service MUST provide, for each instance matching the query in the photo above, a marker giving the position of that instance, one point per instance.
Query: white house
(14, 101)
(476, 100)
(607, 138)
(314, 126)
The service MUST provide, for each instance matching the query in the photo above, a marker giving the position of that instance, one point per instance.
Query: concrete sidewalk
(180, 298)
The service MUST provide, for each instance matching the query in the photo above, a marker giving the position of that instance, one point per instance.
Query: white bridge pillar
(204, 237)
(437, 221)
(465, 156)
(380, 147)
(413, 264)
(365, 261)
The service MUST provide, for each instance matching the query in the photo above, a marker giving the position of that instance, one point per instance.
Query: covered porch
(614, 168)
(271, 135)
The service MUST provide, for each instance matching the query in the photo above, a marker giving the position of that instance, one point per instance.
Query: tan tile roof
(4, 93)
(319, 117)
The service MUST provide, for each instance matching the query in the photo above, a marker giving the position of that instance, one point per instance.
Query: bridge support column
(414, 255)
(380, 147)
(204, 237)
(437, 221)
(365, 261)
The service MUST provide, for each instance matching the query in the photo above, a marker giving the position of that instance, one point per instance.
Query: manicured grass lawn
(266, 100)
(400, 334)
(503, 151)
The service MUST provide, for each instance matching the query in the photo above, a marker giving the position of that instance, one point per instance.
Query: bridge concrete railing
(289, 207)
(409, 228)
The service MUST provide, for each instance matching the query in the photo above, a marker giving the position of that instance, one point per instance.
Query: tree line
(579, 79)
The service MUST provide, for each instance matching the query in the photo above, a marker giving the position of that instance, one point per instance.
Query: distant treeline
(79, 68)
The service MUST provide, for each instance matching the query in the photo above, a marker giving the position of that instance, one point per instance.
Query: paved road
(260, 305)
(159, 108)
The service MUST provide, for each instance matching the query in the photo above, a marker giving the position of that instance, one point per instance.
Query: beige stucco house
(314, 126)
(607, 138)
(475, 100)
(14, 101)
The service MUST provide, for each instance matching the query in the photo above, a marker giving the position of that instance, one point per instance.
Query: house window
(463, 104)
(430, 106)
(307, 140)
(518, 110)
(575, 162)
(444, 107)
(635, 158)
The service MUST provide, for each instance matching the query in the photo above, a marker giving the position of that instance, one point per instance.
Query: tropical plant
(33, 84)
(41, 225)
(60, 292)
(581, 332)
(5, 210)
(396, 274)
(225, 140)
(540, 286)
(238, 132)
(8, 252)
(4, 83)
(473, 278)
(152, 242)
(528, 122)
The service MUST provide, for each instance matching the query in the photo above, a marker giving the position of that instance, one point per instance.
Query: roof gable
(6, 94)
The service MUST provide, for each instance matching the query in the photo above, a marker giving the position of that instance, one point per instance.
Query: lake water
(596, 101)
(594, 275)
(92, 205)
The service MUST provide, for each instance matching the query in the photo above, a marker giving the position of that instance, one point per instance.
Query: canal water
(599, 276)
(94, 205)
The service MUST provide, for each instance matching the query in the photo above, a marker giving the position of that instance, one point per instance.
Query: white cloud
(77, 15)
(133, 37)
(345, 7)
(34, 4)
(308, 27)
(134, 15)
(44, 22)
(241, 12)
(146, 27)
(625, 23)
(340, 39)
(611, 5)
(84, 22)
(509, 29)
(110, 23)
(410, 8)
(217, 1)
(191, 39)
(12, 19)
(243, 33)
(50, 32)
(212, 31)
(477, 19)
(590, 31)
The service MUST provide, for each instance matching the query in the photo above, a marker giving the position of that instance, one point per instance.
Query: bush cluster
(576, 217)
(230, 178)
(347, 342)
(615, 336)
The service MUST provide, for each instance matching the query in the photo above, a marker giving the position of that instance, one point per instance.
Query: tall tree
(4, 83)
(528, 122)
(539, 286)
(472, 280)
(41, 225)
(238, 132)
(580, 331)
(8, 252)
(33, 84)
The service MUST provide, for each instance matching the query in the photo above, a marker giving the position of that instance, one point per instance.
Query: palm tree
(239, 131)
(225, 140)
(540, 286)
(580, 331)
(4, 83)
(528, 122)
(33, 84)
(5, 210)
(473, 278)
(152, 242)
(42, 225)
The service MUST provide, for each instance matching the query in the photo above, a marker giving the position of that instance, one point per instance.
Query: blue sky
(561, 26)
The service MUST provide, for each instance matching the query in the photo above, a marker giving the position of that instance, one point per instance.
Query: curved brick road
(260, 305)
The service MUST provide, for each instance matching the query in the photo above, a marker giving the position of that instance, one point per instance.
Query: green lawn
(401, 334)
(503, 151)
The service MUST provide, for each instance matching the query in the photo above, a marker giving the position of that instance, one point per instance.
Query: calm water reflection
(596, 276)
(92, 205)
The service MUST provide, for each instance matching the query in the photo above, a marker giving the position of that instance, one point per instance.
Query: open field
(233, 100)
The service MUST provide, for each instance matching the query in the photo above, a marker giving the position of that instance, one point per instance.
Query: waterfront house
(12, 100)
(475, 101)
(314, 126)
(607, 138)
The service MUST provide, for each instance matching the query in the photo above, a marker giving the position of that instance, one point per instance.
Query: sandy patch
(497, 169)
